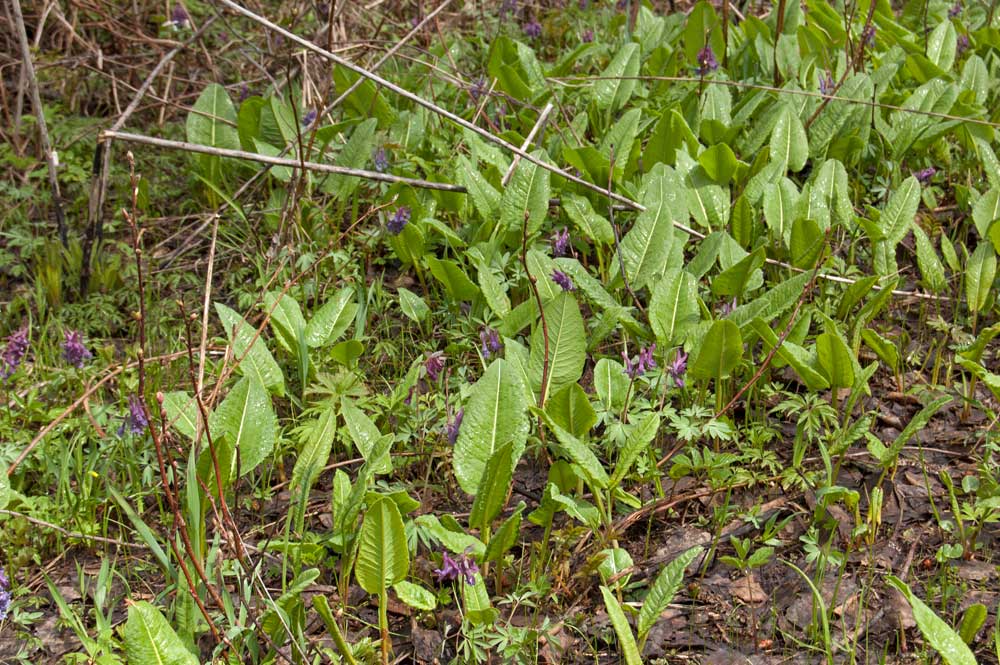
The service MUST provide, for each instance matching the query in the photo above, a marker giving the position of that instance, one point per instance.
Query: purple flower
(868, 36)
(490, 340)
(478, 89)
(963, 43)
(677, 368)
(308, 118)
(178, 18)
(583, 4)
(533, 29)
(452, 428)
(381, 159)
(587, 36)
(726, 308)
(4, 604)
(452, 569)
(563, 280)
(13, 354)
(621, 5)
(637, 367)
(136, 421)
(398, 221)
(560, 242)
(706, 61)
(434, 364)
(924, 175)
(955, 9)
(508, 7)
(74, 352)
(244, 92)
(826, 83)
(4, 580)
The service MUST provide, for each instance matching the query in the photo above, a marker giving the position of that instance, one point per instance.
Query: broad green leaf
(719, 163)
(646, 247)
(383, 556)
(986, 210)
(281, 173)
(316, 442)
(942, 45)
(182, 413)
(895, 222)
(491, 495)
(979, 275)
(365, 436)
(580, 454)
(150, 639)
(332, 319)
(257, 361)
(720, 352)
(939, 635)
(972, 620)
(567, 347)
(620, 138)
(615, 560)
(367, 100)
(626, 641)
(610, 383)
(639, 438)
(662, 593)
(673, 307)
(496, 414)
(415, 596)
(413, 306)
(354, 155)
(247, 420)
(527, 193)
(780, 200)
(703, 28)
(592, 225)
(773, 303)
(493, 291)
(789, 144)
(883, 348)
(476, 601)
(806, 243)
(835, 359)
(453, 277)
(286, 319)
(733, 281)
(506, 536)
(931, 269)
(483, 195)
(670, 134)
(594, 290)
(212, 120)
(617, 83)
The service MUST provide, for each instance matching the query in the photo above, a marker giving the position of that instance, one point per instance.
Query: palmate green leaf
(212, 120)
(789, 143)
(646, 247)
(257, 361)
(939, 635)
(247, 420)
(332, 319)
(527, 193)
(149, 638)
(662, 593)
(383, 556)
(496, 414)
(931, 269)
(979, 275)
(567, 346)
(491, 495)
(673, 307)
(617, 82)
(720, 352)
(355, 155)
(626, 641)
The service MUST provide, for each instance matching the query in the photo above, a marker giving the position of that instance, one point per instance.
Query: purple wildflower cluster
(677, 368)
(560, 242)
(726, 308)
(179, 19)
(587, 36)
(452, 569)
(451, 429)
(706, 61)
(924, 175)
(380, 158)
(868, 36)
(137, 420)
(308, 118)
(963, 44)
(533, 29)
(74, 352)
(635, 368)
(5, 597)
(826, 83)
(955, 9)
(478, 88)
(509, 7)
(563, 280)
(490, 341)
(434, 364)
(398, 221)
(13, 354)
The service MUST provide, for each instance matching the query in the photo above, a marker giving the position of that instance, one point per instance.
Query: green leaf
(453, 277)
(484, 197)
(662, 593)
(941, 637)
(895, 222)
(476, 601)
(212, 120)
(182, 413)
(720, 352)
(590, 468)
(806, 243)
(615, 560)
(733, 281)
(455, 541)
(496, 414)
(570, 409)
(979, 274)
(587, 221)
(773, 303)
(317, 442)
(354, 155)
(257, 361)
(917, 423)
(383, 556)
(150, 639)
(491, 495)
(281, 173)
(506, 536)
(413, 306)
(793, 355)
(286, 319)
(527, 193)
(415, 596)
(366, 436)
(719, 163)
(836, 360)
(567, 346)
(883, 348)
(972, 620)
(986, 210)
(332, 319)
(646, 247)
(673, 307)
(942, 45)
(247, 420)
(626, 641)
(670, 134)
(780, 199)
(610, 383)
(639, 437)
(617, 83)
(931, 269)
(789, 144)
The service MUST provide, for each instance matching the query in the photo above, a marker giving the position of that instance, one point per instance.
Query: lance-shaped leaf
(332, 319)
(673, 307)
(383, 556)
(247, 420)
(938, 634)
(213, 119)
(895, 222)
(495, 415)
(662, 593)
(646, 247)
(257, 361)
(493, 488)
(626, 641)
(979, 275)
(567, 349)
(526, 194)
(617, 82)
(789, 144)
(366, 437)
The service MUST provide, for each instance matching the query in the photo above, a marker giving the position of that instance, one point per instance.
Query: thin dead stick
(72, 534)
(281, 161)
(28, 71)
(542, 117)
